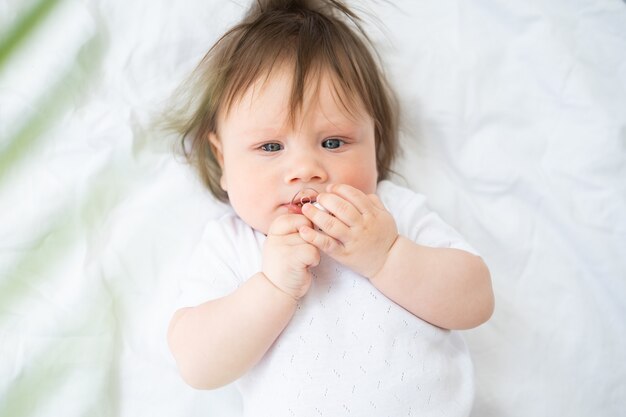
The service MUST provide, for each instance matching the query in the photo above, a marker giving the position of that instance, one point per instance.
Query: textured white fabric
(514, 127)
(348, 349)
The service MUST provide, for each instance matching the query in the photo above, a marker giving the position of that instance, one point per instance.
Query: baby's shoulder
(229, 245)
(228, 230)
(416, 221)
(398, 199)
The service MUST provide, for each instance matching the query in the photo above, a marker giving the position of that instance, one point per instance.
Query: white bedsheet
(514, 127)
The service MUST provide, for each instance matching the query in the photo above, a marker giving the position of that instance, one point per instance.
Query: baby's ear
(216, 148)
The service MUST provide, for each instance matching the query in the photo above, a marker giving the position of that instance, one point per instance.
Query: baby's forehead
(275, 91)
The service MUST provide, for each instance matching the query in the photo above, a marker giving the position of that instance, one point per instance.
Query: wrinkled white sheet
(514, 127)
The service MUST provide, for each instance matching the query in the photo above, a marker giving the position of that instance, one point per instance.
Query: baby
(341, 300)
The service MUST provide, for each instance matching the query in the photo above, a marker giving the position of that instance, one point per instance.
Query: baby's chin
(261, 228)
(260, 225)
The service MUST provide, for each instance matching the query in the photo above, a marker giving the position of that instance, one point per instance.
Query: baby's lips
(294, 208)
(306, 195)
(302, 197)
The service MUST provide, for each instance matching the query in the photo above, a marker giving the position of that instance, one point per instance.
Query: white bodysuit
(348, 350)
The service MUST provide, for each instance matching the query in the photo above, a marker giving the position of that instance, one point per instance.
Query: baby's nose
(306, 168)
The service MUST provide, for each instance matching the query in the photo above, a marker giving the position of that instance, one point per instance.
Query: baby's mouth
(302, 197)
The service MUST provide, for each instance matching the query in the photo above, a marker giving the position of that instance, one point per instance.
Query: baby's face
(266, 159)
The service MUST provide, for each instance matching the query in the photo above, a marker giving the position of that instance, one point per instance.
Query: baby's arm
(449, 288)
(218, 341)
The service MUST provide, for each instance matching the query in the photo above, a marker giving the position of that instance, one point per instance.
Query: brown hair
(313, 36)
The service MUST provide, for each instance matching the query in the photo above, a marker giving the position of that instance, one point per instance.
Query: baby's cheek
(250, 203)
(365, 180)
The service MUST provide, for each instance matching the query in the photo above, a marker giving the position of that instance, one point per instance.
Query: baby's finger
(329, 224)
(307, 253)
(288, 223)
(340, 208)
(291, 239)
(355, 196)
(320, 240)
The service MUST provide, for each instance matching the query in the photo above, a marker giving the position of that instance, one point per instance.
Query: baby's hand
(287, 257)
(357, 231)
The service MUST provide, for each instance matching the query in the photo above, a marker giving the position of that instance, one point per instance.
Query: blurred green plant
(46, 367)
(24, 27)
(45, 113)
(55, 101)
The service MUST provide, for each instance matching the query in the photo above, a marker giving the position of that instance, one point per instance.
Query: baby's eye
(271, 147)
(332, 143)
